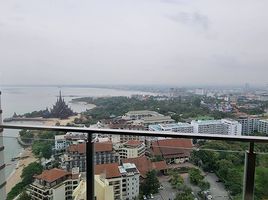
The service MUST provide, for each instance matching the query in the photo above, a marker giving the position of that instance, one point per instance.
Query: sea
(27, 99)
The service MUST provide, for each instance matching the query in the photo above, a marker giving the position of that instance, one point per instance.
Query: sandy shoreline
(14, 177)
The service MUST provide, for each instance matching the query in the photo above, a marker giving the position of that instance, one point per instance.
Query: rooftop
(103, 146)
(52, 175)
(108, 170)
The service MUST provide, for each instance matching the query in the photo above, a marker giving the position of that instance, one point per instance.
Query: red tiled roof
(109, 170)
(145, 165)
(160, 165)
(52, 175)
(133, 143)
(170, 148)
(80, 148)
(103, 146)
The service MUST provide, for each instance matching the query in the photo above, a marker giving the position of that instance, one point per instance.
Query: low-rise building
(130, 149)
(179, 127)
(144, 165)
(53, 184)
(172, 150)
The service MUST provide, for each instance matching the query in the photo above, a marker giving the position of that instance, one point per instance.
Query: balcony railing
(250, 155)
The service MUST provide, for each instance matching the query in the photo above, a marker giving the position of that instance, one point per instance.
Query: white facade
(223, 126)
(130, 181)
(232, 127)
(263, 126)
(179, 127)
(130, 151)
(249, 124)
(60, 142)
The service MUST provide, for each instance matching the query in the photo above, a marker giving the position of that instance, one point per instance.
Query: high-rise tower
(2, 162)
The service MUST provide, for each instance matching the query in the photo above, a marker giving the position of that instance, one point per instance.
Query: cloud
(193, 19)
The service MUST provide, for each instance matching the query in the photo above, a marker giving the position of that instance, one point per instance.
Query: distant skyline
(126, 42)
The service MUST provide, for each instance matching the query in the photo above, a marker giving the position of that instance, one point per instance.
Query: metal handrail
(255, 139)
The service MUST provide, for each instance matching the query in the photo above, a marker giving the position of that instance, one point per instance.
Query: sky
(137, 42)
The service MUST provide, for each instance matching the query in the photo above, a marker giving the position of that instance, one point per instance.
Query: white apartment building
(123, 179)
(232, 127)
(53, 184)
(179, 127)
(130, 149)
(263, 126)
(223, 126)
(249, 124)
(130, 181)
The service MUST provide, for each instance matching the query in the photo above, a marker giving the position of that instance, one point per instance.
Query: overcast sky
(178, 42)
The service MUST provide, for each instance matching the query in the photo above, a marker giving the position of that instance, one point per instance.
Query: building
(232, 127)
(140, 114)
(53, 184)
(80, 192)
(179, 127)
(123, 179)
(249, 124)
(172, 150)
(156, 120)
(130, 181)
(76, 155)
(104, 153)
(60, 109)
(63, 141)
(130, 149)
(144, 165)
(223, 126)
(263, 126)
(146, 118)
(103, 191)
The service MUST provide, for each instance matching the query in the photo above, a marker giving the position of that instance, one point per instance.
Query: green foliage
(195, 176)
(27, 178)
(261, 191)
(17, 189)
(185, 195)
(150, 184)
(24, 196)
(29, 171)
(26, 136)
(178, 108)
(42, 149)
(176, 180)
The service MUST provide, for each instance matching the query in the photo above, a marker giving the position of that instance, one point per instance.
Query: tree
(29, 171)
(150, 184)
(24, 196)
(195, 176)
(185, 195)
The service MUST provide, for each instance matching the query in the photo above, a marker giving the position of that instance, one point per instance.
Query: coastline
(14, 177)
(27, 157)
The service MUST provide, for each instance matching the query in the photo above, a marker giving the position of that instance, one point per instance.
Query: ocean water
(27, 99)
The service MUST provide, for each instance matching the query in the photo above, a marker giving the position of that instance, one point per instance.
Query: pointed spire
(60, 99)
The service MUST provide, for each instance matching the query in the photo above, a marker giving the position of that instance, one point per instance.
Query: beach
(27, 157)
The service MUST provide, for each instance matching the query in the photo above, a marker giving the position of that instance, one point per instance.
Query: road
(217, 189)
(168, 193)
